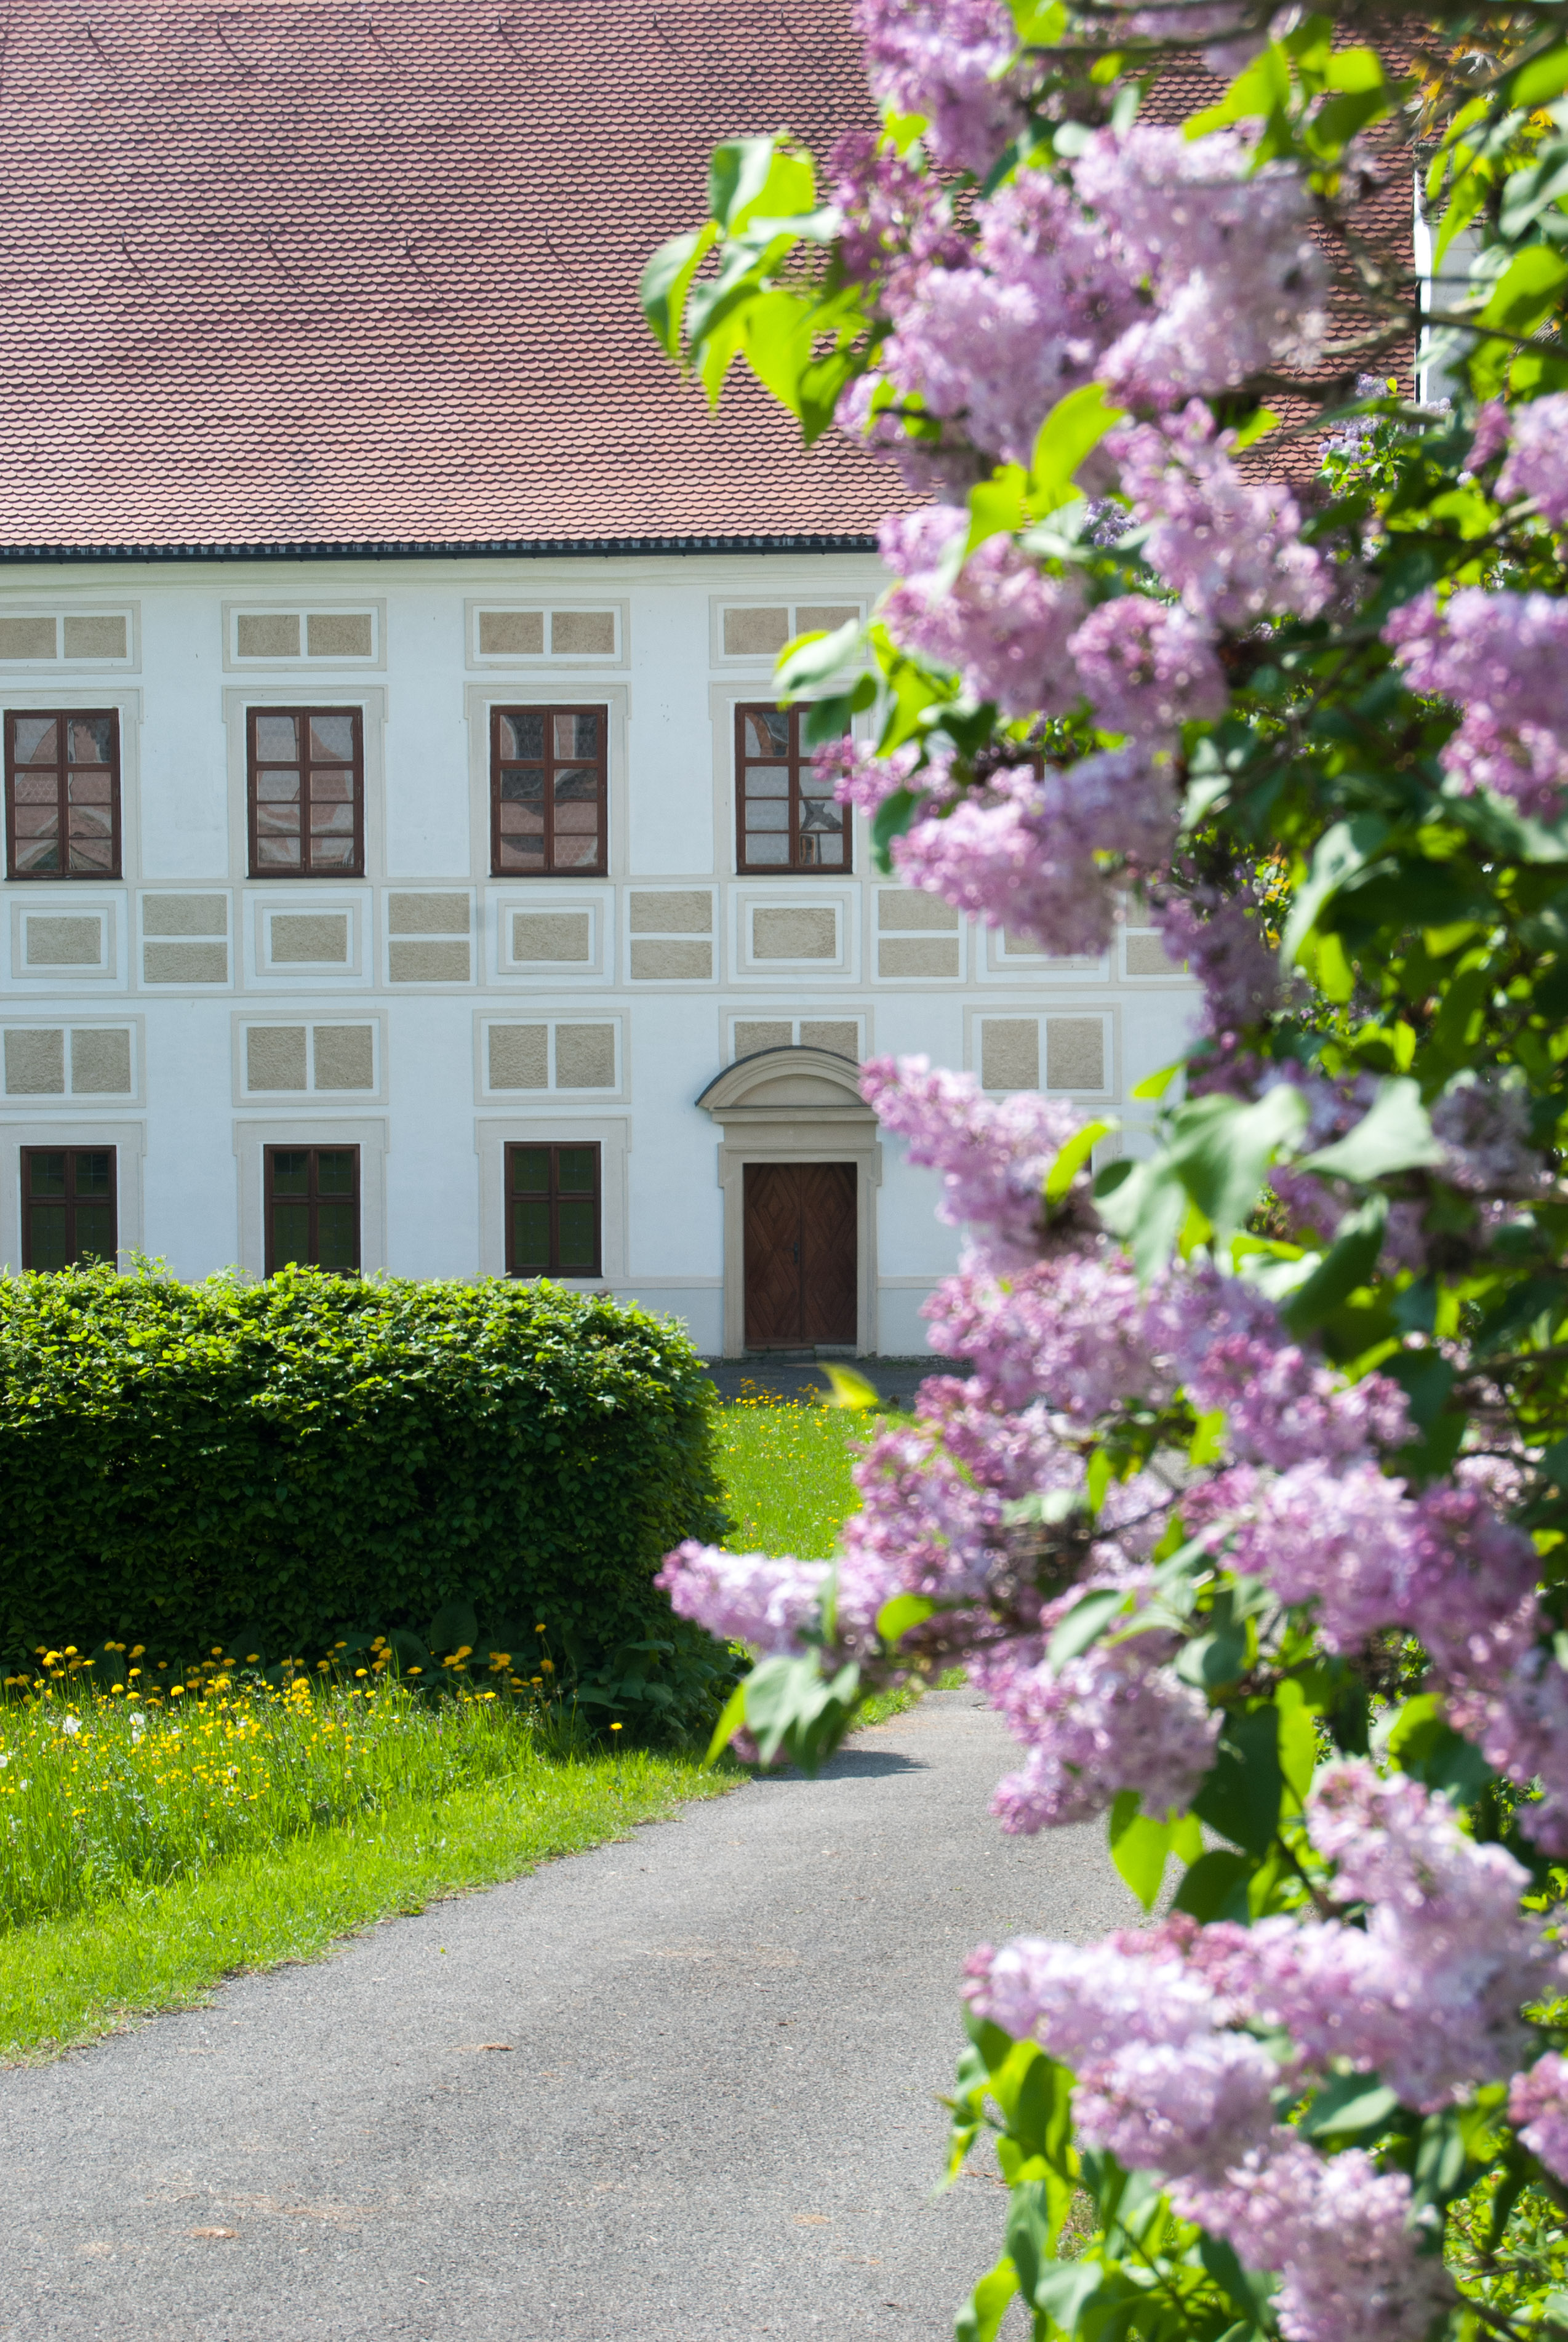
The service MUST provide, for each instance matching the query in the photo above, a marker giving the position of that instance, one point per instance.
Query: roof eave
(527, 548)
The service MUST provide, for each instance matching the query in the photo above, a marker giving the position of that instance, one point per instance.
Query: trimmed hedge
(183, 1463)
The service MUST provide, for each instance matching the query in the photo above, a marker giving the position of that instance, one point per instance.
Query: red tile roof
(291, 274)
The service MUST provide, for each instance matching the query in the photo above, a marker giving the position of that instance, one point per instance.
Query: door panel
(800, 1253)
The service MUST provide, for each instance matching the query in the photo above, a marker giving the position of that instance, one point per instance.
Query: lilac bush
(1245, 1502)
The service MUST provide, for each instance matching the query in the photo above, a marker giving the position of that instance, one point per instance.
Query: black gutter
(523, 548)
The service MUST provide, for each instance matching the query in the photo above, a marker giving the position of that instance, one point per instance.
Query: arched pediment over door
(797, 1106)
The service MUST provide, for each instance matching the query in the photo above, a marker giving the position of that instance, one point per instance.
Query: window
(547, 790)
(786, 818)
(63, 794)
(311, 1201)
(306, 768)
(67, 1205)
(552, 1211)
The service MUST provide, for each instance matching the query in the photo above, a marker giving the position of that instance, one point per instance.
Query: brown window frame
(28, 1156)
(62, 716)
(555, 1149)
(312, 1199)
(549, 867)
(795, 757)
(304, 764)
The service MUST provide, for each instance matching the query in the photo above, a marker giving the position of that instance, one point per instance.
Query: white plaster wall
(677, 690)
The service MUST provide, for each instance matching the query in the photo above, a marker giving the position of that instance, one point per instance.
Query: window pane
(335, 1234)
(576, 735)
(92, 854)
(46, 1235)
(290, 1234)
(764, 731)
(89, 739)
(37, 854)
(46, 1174)
(766, 781)
(579, 1235)
(577, 1166)
(332, 853)
(95, 1231)
(328, 819)
(39, 820)
(277, 738)
(520, 786)
(331, 788)
(95, 1174)
(38, 741)
(91, 785)
(277, 788)
(335, 1172)
(772, 813)
(820, 813)
(530, 1236)
(332, 737)
(522, 853)
(278, 852)
(822, 853)
(576, 853)
(766, 849)
(290, 1173)
(38, 788)
(523, 735)
(530, 1171)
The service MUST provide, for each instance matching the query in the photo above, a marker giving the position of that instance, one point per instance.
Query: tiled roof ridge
(442, 548)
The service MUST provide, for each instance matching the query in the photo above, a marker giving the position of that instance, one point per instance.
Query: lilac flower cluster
(942, 59)
(1538, 2105)
(744, 1597)
(1228, 544)
(1537, 464)
(1502, 659)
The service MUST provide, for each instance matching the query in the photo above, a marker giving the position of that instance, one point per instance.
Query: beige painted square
(519, 1057)
(100, 1062)
(427, 962)
(1075, 1053)
(185, 963)
(267, 634)
(675, 911)
(667, 961)
(89, 636)
(184, 915)
(35, 1062)
(823, 617)
(427, 915)
(1021, 947)
(343, 1056)
(310, 938)
(585, 1057)
(1010, 1053)
(339, 634)
(917, 955)
(802, 933)
(65, 943)
(583, 633)
(1146, 956)
(560, 935)
(755, 634)
(753, 1036)
(274, 1058)
(903, 911)
(26, 638)
(843, 1040)
(511, 634)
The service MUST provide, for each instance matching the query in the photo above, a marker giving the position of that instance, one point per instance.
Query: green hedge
(181, 1463)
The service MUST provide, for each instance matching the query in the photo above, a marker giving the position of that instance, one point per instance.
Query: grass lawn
(153, 1843)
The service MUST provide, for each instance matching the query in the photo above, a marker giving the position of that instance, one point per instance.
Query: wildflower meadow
(1247, 1509)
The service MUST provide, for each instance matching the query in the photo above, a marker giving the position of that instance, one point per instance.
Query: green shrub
(266, 1466)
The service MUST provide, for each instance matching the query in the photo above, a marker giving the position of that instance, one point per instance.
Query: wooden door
(800, 1253)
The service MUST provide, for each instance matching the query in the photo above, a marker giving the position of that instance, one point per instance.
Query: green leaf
(791, 1705)
(666, 280)
(980, 2319)
(1393, 1135)
(1139, 1846)
(812, 661)
(1348, 1264)
(1063, 2290)
(1542, 79)
(1216, 1887)
(1350, 2106)
(1297, 1737)
(758, 178)
(730, 1718)
(1073, 428)
(1208, 1442)
(1526, 290)
(1262, 89)
(1241, 1796)
(1041, 23)
(903, 1611)
(850, 1389)
(1084, 1624)
(1072, 1159)
(1339, 853)
(779, 334)
(1154, 1086)
(1220, 1148)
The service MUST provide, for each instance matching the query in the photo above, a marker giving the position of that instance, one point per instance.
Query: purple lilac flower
(940, 59)
(1003, 625)
(1538, 2109)
(994, 1154)
(1503, 659)
(1537, 464)
(1229, 546)
(744, 1597)
(1148, 669)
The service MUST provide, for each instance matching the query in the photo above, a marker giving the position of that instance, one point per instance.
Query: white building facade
(464, 917)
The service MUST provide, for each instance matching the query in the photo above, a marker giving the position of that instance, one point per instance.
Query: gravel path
(713, 2116)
